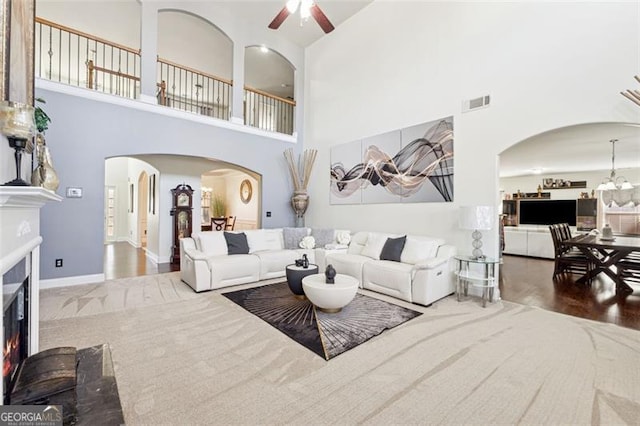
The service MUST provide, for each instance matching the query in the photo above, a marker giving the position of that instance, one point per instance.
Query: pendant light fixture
(611, 183)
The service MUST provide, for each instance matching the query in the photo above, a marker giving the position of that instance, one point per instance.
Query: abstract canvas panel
(410, 165)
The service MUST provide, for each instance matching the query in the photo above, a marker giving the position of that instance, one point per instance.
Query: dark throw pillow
(393, 249)
(236, 243)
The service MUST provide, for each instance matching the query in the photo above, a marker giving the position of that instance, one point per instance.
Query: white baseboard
(68, 281)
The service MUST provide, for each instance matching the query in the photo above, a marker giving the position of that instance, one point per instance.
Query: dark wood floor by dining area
(529, 281)
(523, 280)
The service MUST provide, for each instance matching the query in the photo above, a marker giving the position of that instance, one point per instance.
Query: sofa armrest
(434, 262)
(194, 268)
(195, 254)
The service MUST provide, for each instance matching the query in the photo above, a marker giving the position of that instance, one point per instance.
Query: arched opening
(564, 166)
(269, 90)
(195, 69)
(142, 201)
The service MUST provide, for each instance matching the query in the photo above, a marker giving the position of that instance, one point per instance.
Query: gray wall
(84, 132)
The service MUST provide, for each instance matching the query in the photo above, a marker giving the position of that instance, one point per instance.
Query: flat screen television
(547, 212)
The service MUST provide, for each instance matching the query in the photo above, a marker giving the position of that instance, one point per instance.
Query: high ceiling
(584, 147)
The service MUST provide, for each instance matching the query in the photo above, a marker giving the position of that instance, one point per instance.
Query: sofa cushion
(236, 243)
(322, 236)
(419, 249)
(374, 245)
(211, 243)
(348, 264)
(293, 236)
(391, 278)
(392, 249)
(264, 239)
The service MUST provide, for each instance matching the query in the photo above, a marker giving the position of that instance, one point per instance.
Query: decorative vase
(44, 175)
(330, 274)
(305, 261)
(300, 202)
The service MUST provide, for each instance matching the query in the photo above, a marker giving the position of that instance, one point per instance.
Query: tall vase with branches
(300, 173)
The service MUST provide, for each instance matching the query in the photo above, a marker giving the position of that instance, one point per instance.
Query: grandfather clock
(182, 213)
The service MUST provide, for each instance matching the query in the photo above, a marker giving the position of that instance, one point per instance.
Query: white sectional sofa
(205, 263)
(423, 274)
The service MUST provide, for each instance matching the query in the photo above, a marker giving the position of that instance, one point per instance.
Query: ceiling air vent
(476, 103)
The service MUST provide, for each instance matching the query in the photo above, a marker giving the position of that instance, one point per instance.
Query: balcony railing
(191, 90)
(268, 112)
(72, 57)
(69, 56)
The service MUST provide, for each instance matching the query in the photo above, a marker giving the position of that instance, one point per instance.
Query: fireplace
(16, 334)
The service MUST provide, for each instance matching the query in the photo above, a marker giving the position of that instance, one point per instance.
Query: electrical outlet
(58, 263)
(268, 214)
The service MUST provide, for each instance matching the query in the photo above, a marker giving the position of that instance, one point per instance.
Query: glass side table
(483, 276)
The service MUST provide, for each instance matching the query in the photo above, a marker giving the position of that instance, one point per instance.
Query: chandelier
(612, 183)
(633, 95)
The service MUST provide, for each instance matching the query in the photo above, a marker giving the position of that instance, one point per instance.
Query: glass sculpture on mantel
(17, 123)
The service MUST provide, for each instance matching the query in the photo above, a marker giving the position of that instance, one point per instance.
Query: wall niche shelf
(563, 184)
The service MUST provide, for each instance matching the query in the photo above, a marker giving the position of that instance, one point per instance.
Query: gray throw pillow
(322, 236)
(293, 236)
(392, 249)
(236, 243)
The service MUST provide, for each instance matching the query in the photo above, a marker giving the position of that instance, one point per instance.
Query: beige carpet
(185, 358)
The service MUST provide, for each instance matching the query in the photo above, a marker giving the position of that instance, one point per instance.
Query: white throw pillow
(212, 243)
(308, 242)
(374, 245)
(273, 239)
(418, 250)
(343, 237)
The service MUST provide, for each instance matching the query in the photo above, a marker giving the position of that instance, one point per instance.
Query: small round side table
(485, 278)
(295, 274)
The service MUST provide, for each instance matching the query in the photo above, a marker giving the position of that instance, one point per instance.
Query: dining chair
(567, 259)
(231, 223)
(629, 268)
(218, 223)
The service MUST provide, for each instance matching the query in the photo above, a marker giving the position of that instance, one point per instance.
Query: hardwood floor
(523, 280)
(529, 281)
(122, 260)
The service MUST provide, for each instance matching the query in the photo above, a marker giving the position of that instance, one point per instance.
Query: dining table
(605, 253)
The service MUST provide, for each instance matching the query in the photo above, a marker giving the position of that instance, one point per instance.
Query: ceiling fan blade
(279, 19)
(321, 19)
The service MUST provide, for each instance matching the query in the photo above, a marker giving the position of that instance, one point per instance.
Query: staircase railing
(192, 90)
(268, 112)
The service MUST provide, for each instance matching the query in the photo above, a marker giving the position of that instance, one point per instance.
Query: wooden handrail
(86, 35)
(269, 95)
(195, 71)
(118, 73)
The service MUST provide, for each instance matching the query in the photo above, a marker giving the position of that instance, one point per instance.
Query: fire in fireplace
(15, 335)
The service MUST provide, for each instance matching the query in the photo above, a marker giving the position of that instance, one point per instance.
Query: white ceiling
(301, 33)
(578, 148)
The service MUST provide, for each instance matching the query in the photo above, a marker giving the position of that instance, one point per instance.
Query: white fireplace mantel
(20, 239)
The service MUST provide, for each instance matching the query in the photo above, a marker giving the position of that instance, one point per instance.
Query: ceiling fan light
(305, 8)
(292, 5)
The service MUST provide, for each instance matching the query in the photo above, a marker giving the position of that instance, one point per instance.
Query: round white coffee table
(330, 297)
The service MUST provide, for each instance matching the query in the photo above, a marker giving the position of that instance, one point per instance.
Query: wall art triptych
(410, 165)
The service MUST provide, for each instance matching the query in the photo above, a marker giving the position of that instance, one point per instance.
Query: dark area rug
(328, 335)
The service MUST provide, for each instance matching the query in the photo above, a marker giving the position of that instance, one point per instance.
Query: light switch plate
(74, 192)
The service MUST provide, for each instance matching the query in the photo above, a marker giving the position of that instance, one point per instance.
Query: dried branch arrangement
(298, 169)
(633, 95)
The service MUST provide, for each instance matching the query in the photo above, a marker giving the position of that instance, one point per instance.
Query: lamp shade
(476, 217)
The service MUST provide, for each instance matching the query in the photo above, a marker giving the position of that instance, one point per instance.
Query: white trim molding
(70, 281)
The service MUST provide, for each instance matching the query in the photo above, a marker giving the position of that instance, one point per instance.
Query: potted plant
(44, 175)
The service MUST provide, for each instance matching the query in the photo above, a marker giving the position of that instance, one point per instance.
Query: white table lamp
(476, 218)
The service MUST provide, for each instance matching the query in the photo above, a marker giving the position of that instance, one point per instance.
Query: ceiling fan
(307, 8)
